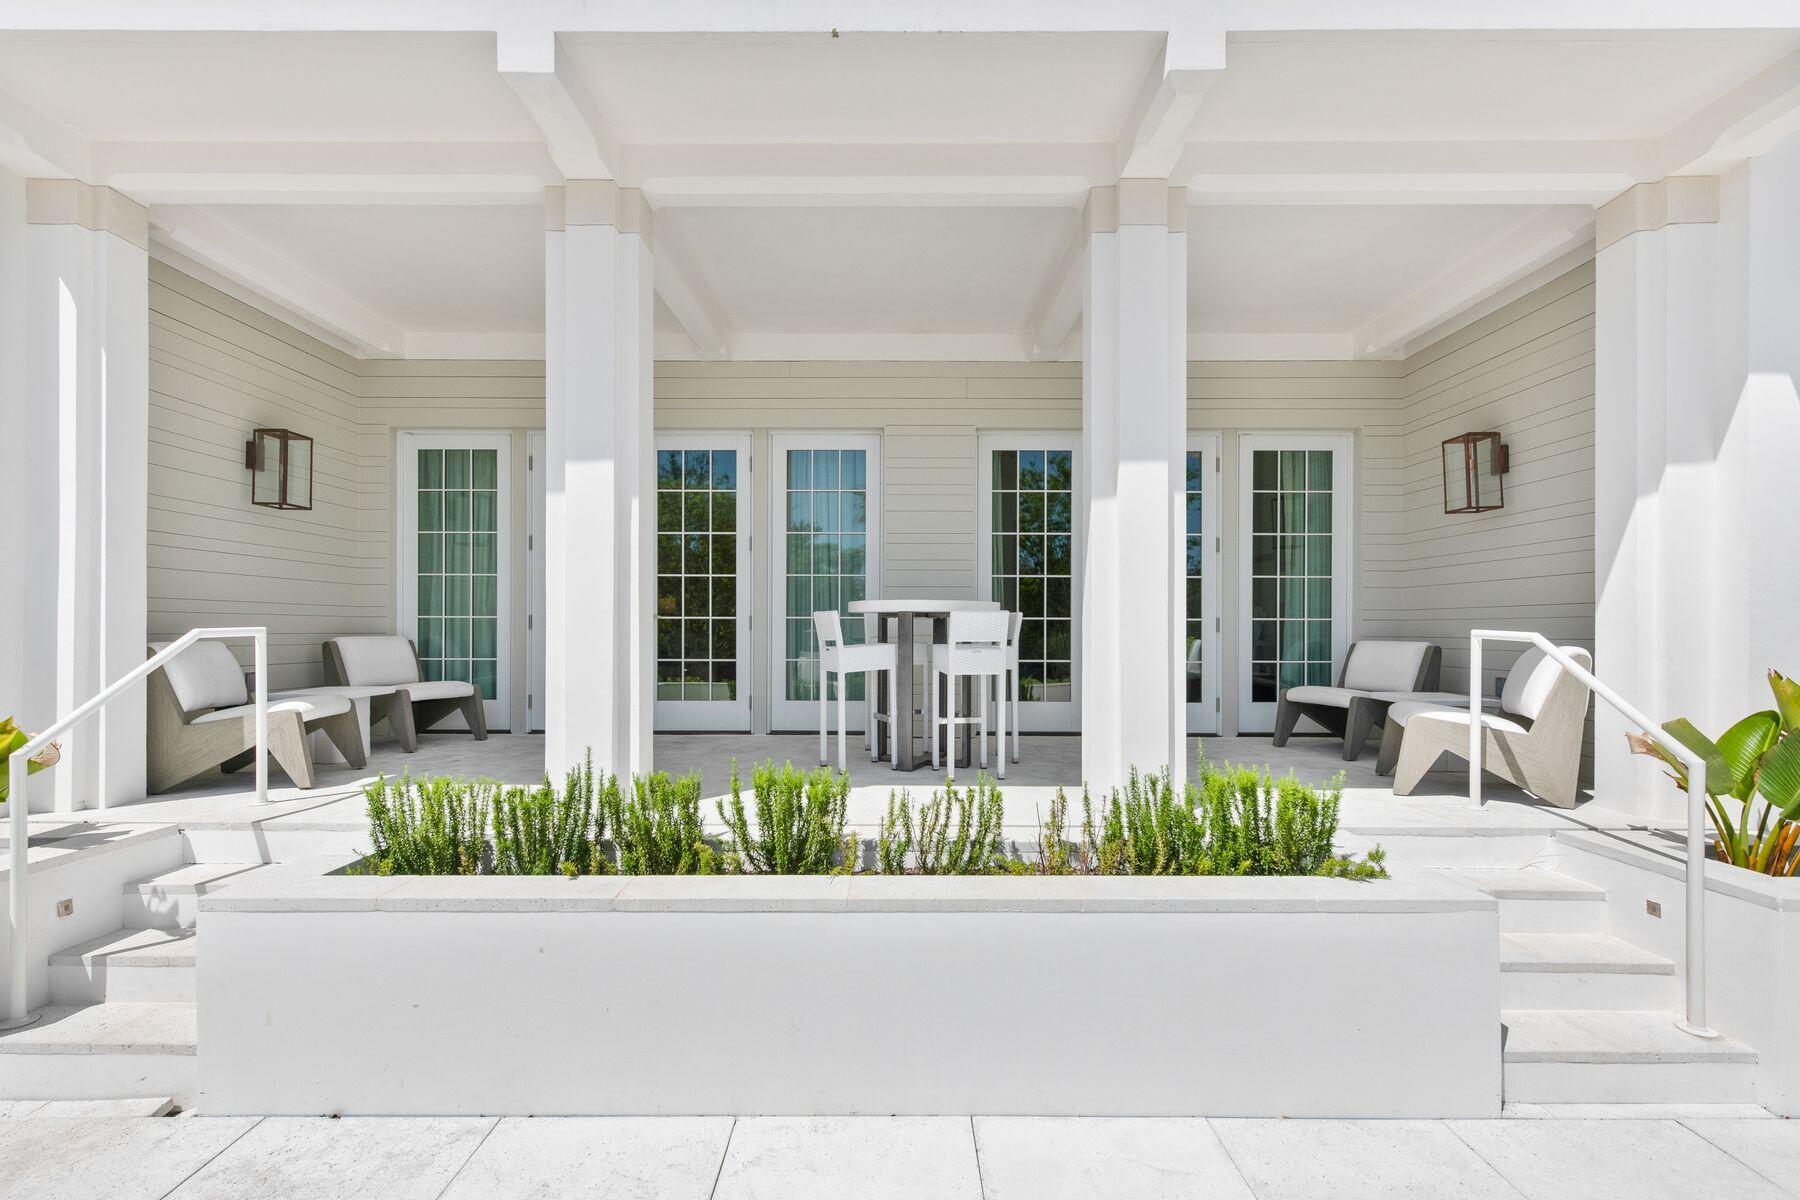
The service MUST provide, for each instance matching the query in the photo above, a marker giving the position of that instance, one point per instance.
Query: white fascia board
(1546, 238)
(1497, 300)
(37, 147)
(577, 135)
(1269, 347)
(1412, 172)
(1745, 122)
(476, 344)
(203, 238)
(1155, 135)
(460, 173)
(758, 346)
(688, 298)
(1058, 307)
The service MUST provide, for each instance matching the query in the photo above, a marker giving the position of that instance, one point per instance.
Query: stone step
(101, 1051)
(1533, 900)
(1568, 971)
(1613, 1057)
(171, 899)
(150, 965)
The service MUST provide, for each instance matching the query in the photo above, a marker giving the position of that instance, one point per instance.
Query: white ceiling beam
(687, 297)
(1298, 16)
(1058, 306)
(1412, 172)
(326, 172)
(1156, 132)
(577, 135)
(1549, 237)
(201, 237)
(1743, 123)
(37, 147)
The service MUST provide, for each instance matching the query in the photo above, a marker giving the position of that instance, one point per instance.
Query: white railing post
(18, 912)
(1694, 968)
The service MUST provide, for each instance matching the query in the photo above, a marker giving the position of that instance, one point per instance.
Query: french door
(1294, 542)
(1029, 545)
(702, 581)
(1201, 566)
(826, 513)
(453, 542)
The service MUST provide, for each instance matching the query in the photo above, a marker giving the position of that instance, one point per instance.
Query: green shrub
(799, 828)
(656, 826)
(543, 831)
(956, 832)
(438, 827)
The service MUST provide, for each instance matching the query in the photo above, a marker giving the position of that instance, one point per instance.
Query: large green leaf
(1744, 745)
(1779, 779)
(1787, 700)
(1718, 772)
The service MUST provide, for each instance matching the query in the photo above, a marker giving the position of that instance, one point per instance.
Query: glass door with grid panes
(455, 504)
(826, 513)
(1294, 574)
(702, 576)
(1200, 549)
(1031, 515)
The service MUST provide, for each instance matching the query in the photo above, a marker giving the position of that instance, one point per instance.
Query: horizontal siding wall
(219, 369)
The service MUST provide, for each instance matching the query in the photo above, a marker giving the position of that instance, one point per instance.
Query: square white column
(599, 580)
(77, 397)
(1134, 439)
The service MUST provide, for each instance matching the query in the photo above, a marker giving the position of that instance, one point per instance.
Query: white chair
(842, 659)
(976, 649)
(1011, 684)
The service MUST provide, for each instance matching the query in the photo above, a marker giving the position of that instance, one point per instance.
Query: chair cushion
(440, 689)
(1330, 697)
(385, 658)
(1529, 682)
(1384, 666)
(313, 708)
(205, 675)
(1421, 710)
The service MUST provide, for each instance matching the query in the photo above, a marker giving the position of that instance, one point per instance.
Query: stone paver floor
(1640, 1153)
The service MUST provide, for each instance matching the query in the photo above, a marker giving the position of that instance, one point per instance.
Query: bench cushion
(1330, 697)
(440, 689)
(313, 708)
(1407, 711)
(1384, 666)
(205, 675)
(371, 659)
(1529, 682)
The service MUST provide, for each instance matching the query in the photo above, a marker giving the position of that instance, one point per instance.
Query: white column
(599, 577)
(1697, 428)
(77, 405)
(1134, 439)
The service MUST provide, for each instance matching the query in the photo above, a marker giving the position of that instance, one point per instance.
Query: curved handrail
(1694, 969)
(19, 800)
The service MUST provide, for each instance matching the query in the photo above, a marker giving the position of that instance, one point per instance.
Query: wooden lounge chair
(1534, 740)
(200, 716)
(1351, 709)
(417, 703)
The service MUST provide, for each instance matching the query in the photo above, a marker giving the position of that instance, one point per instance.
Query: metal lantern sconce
(1474, 473)
(280, 462)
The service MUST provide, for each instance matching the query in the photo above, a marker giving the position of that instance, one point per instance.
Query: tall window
(1031, 534)
(697, 528)
(1196, 548)
(1292, 570)
(458, 566)
(827, 548)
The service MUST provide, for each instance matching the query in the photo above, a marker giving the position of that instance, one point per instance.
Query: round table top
(929, 607)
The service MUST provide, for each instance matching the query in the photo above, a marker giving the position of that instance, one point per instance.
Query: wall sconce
(1474, 469)
(280, 465)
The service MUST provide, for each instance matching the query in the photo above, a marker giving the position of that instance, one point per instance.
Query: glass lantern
(1474, 473)
(280, 464)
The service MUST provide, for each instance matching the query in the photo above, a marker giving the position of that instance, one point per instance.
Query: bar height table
(906, 614)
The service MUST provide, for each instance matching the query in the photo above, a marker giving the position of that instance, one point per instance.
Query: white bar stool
(1010, 689)
(836, 657)
(975, 650)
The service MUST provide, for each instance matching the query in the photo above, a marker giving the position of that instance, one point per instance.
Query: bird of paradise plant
(1757, 759)
(11, 738)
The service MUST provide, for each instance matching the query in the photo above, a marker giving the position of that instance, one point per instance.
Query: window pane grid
(1291, 571)
(1032, 493)
(827, 535)
(1196, 564)
(458, 560)
(696, 575)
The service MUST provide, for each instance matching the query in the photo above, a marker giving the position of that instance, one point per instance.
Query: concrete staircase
(121, 1017)
(1589, 1018)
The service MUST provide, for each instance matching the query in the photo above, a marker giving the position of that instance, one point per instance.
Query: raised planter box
(798, 995)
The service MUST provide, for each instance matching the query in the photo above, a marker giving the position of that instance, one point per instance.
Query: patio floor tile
(1612, 1160)
(832, 1158)
(315, 1158)
(84, 1158)
(1048, 1158)
(1770, 1148)
(1351, 1160)
(619, 1158)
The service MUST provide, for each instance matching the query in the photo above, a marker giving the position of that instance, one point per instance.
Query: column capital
(94, 207)
(1645, 207)
(598, 202)
(1136, 202)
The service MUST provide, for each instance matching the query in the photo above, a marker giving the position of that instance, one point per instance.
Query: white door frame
(536, 471)
(1260, 717)
(803, 715)
(1036, 716)
(407, 444)
(732, 716)
(1205, 717)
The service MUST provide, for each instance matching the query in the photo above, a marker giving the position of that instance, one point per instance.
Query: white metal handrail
(1694, 969)
(19, 800)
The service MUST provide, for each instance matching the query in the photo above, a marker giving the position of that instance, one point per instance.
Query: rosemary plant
(541, 831)
(433, 828)
(799, 826)
(656, 826)
(956, 832)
